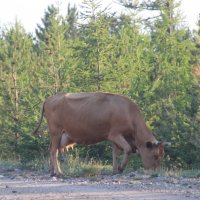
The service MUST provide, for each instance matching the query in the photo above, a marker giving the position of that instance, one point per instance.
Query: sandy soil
(21, 185)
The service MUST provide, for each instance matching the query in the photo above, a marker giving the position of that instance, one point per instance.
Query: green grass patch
(190, 173)
(37, 165)
(76, 166)
(194, 173)
(9, 164)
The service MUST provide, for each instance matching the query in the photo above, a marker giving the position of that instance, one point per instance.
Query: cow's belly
(89, 131)
(87, 142)
(86, 138)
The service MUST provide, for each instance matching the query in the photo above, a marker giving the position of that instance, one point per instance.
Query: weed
(9, 164)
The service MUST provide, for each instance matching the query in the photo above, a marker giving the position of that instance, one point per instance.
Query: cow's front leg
(120, 141)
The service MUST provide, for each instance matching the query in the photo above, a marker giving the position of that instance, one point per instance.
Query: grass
(36, 165)
(75, 166)
(9, 164)
(189, 173)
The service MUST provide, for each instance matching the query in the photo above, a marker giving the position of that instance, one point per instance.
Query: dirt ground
(25, 185)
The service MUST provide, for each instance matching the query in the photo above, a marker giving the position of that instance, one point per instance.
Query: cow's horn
(167, 143)
(157, 142)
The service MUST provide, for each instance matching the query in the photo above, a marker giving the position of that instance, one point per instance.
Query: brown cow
(89, 118)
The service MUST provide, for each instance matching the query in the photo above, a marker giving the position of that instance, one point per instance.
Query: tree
(196, 51)
(93, 49)
(51, 45)
(71, 21)
(171, 85)
(16, 58)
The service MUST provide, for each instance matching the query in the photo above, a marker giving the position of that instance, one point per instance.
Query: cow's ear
(149, 145)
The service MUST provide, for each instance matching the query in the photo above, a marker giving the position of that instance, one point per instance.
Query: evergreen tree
(51, 45)
(196, 51)
(94, 49)
(16, 62)
(170, 74)
(71, 22)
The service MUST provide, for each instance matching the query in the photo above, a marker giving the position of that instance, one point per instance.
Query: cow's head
(152, 153)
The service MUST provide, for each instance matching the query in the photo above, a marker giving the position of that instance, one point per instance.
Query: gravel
(26, 185)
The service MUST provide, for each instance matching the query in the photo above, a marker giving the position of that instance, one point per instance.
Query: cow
(89, 118)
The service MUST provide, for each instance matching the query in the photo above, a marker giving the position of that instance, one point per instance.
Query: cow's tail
(35, 131)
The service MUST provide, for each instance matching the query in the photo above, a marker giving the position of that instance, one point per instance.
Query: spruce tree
(16, 60)
(171, 104)
(51, 45)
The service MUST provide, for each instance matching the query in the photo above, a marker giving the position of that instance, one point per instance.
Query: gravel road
(25, 185)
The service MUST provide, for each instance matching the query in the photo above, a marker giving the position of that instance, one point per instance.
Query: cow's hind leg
(120, 141)
(55, 142)
(51, 170)
(115, 153)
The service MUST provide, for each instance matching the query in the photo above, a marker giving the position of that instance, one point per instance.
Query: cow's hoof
(53, 175)
(60, 176)
(57, 175)
(114, 172)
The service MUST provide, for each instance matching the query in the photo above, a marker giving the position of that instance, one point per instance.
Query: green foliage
(102, 51)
